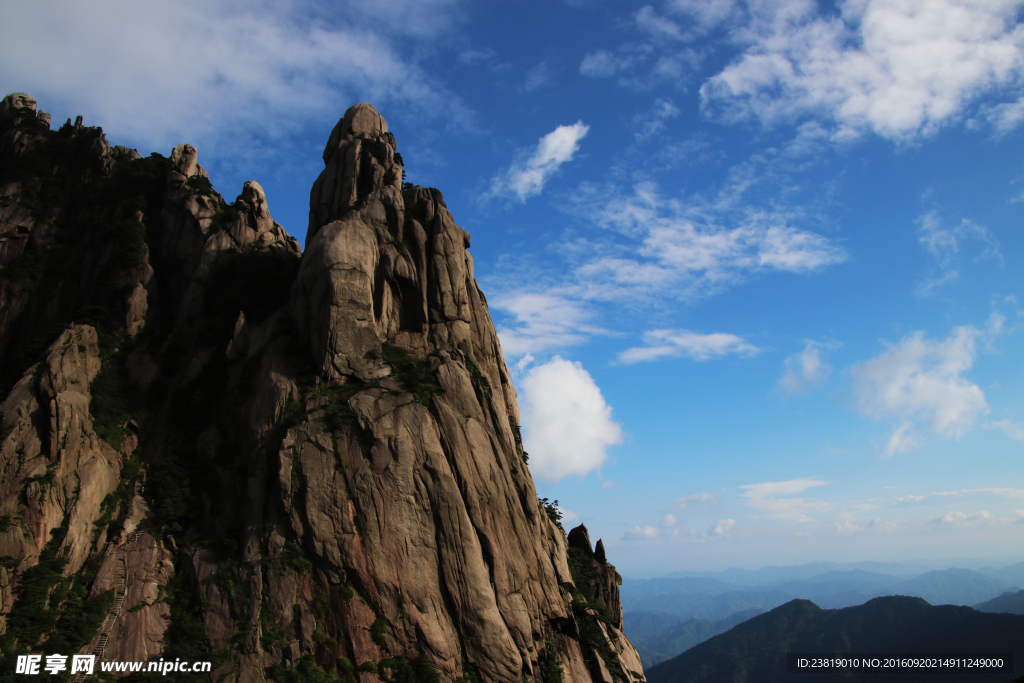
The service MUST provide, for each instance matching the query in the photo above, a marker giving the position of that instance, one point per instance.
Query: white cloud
(602, 64)
(526, 177)
(902, 440)
(537, 77)
(946, 244)
(765, 498)
(474, 57)
(159, 73)
(668, 521)
(653, 250)
(704, 14)
(721, 527)
(640, 532)
(659, 27)
(692, 250)
(653, 122)
(696, 499)
(805, 370)
(667, 343)
(542, 321)
(898, 68)
(569, 518)
(1005, 116)
(956, 517)
(920, 381)
(567, 426)
(1014, 430)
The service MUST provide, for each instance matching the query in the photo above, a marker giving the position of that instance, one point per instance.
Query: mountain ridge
(309, 460)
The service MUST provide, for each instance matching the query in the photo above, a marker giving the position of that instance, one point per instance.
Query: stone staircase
(120, 592)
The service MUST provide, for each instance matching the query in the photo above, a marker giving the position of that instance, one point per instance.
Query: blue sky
(756, 264)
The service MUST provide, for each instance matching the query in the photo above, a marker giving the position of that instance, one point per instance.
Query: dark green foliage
(322, 605)
(415, 374)
(344, 665)
(584, 575)
(199, 184)
(404, 670)
(339, 416)
(518, 436)
(469, 674)
(378, 630)
(551, 664)
(32, 614)
(367, 667)
(756, 649)
(49, 603)
(346, 591)
(226, 216)
(554, 514)
(337, 413)
(118, 500)
(305, 671)
(115, 397)
(294, 557)
(187, 631)
(294, 415)
(481, 386)
(80, 619)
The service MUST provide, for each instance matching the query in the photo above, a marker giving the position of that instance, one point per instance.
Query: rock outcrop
(305, 463)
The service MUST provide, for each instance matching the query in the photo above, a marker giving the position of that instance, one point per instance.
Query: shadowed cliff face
(310, 464)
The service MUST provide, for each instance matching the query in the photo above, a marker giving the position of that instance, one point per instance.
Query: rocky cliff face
(296, 465)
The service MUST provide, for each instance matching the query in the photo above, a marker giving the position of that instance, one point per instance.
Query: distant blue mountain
(659, 637)
(952, 587)
(713, 599)
(1007, 603)
(755, 650)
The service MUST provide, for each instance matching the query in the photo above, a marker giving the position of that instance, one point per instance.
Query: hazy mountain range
(756, 650)
(668, 615)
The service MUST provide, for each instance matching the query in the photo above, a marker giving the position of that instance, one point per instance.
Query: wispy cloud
(651, 250)
(160, 73)
(640, 532)
(958, 518)
(543, 321)
(603, 64)
(692, 250)
(652, 123)
(946, 244)
(696, 499)
(667, 343)
(1014, 430)
(920, 382)
(770, 498)
(721, 527)
(538, 76)
(567, 425)
(895, 68)
(962, 493)
(805, 370)
(528, 175)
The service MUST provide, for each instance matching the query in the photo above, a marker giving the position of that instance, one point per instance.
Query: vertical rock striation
(316, 464)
